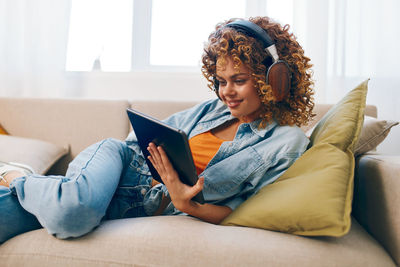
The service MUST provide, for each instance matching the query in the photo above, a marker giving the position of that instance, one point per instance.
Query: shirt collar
(262, 131)
(254, 126)
(223, 110)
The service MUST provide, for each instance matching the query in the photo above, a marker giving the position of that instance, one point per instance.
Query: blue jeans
(105, 181)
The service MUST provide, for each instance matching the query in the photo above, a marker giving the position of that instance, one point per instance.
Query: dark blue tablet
(174, 141)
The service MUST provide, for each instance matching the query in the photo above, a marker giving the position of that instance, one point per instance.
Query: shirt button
(143, 191)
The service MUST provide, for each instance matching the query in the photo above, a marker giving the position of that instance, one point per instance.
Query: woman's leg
(13, 218)
(73, 205)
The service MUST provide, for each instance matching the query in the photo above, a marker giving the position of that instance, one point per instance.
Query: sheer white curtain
(349, 41)
(364, 37)
(33, 39)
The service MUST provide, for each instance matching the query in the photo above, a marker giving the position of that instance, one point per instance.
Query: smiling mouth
(233, 103)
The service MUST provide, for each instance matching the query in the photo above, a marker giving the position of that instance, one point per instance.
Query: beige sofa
(374, 238)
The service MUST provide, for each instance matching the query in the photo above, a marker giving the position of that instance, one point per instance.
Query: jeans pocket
(137, 173)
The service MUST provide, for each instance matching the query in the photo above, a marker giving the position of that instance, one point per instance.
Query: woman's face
(237, 91)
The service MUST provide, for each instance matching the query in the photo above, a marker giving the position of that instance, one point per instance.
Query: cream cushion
(373, 133)
(39, 155)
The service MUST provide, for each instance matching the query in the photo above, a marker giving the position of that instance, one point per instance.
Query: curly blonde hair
(296, 108)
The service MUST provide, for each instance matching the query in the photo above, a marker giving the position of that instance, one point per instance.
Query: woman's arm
(180, 193)
(208, 212)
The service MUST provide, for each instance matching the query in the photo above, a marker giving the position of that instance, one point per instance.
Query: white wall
(137, 85)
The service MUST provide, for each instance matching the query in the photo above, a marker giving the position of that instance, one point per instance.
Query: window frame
(141, 26)
(142, 17)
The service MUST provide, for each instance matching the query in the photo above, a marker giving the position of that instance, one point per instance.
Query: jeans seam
(90, 160)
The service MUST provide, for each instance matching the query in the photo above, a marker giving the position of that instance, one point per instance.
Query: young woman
(241, 141)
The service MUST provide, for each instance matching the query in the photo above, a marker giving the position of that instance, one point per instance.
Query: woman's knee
(106, 148)
(115, 145)
(113, 150)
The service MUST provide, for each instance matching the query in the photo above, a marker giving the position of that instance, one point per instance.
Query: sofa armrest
(376, 203)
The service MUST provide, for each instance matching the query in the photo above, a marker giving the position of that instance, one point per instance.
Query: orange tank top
(204, 146)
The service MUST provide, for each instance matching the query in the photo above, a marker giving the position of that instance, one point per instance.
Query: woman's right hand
(180, 193)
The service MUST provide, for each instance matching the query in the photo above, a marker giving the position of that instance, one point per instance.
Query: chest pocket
(227, 177)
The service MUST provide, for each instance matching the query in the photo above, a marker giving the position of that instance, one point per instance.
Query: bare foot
(9, 177)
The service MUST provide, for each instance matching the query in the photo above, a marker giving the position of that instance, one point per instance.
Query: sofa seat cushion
(186, 241)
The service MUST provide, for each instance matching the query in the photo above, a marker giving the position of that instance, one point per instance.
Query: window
(100, 35)
(177, 37)
(124, 35)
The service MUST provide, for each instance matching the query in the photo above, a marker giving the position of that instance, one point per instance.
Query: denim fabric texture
(110, 179)
(102, 182)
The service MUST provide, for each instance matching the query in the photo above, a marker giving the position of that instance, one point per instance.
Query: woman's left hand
(180, 193)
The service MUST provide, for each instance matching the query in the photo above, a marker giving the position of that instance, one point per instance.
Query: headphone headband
(251, 29)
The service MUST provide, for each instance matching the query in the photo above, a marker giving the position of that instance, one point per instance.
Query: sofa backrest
(78, 123)
(161, 109)
(75, 123)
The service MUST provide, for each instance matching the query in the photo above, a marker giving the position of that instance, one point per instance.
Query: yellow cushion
(313, 197)
(2, 131)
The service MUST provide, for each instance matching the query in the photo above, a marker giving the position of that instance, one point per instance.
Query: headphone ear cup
(279, 77)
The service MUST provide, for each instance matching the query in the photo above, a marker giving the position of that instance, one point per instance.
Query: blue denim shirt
(255, 158)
